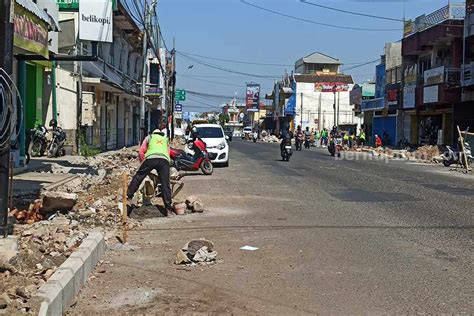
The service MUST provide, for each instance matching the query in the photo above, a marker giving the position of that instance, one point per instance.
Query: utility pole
(319, 110)
(338, 100)
(6, 63)
(334, 105)
(146, 15)
(301, 110)
(173, 86)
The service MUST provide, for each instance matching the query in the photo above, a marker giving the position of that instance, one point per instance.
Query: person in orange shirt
(378, 141)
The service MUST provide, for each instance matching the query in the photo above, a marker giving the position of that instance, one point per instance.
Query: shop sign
(73, 5)
(95, 21)
(356, 95)
(430, 94)
(410, 73)
(392, 96)
(434, 75)
(409, 93)
(29, 32)
(373, 104)
(330, 87)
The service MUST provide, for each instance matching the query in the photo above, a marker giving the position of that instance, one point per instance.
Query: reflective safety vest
(346, 137)
(158, 146)
(362, 136)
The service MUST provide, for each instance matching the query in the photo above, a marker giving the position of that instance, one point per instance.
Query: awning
(53, 23)
(35, 9)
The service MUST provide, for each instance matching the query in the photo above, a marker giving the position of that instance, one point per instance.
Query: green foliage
(224, 118)
(86, 149)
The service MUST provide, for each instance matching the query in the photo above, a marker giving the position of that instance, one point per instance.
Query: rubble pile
(198, 251)
(29, 216)
(270, 139)
(42, 247)
(427, 153)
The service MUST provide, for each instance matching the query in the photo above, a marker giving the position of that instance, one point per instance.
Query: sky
(230, 29)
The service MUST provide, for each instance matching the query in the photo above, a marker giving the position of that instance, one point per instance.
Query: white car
(247, 131)
(216, 143)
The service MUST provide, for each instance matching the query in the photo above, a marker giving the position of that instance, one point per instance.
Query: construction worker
(154, 155)
(362, 138)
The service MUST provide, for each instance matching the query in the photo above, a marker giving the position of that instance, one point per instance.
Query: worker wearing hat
(154, 155)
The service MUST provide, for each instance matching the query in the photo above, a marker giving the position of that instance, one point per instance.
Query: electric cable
(315, 22)
(237, 61)
(351, 12)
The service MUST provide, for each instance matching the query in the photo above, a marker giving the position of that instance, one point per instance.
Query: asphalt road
(334, 236)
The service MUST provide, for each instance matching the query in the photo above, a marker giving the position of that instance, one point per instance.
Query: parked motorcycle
(255, 137)
(286, 150)
(451, 156)
(186, 162)
(56, 147)
(335, 146)
(36, 142)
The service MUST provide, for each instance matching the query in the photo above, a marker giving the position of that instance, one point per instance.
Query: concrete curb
(59, 292)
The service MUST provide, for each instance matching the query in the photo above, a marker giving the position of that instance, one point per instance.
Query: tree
(224, 118)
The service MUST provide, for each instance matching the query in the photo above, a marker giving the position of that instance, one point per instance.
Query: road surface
(334, 236)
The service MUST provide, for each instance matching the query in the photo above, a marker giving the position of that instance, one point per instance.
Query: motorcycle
(335, 146)
(286, 150)
(36, 142)
(56, 147)
(186, 162)
(254, 137)
(451, 156)
(307, 139)
(299, 142)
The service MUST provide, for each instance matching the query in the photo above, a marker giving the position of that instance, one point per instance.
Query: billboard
(95, 21)
(331, 87)
(252, 97)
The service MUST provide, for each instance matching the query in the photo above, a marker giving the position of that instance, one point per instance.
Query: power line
(238, 61)
(351, 12)
(214, 95)
(224, 69)
(314, 22)
(214, 82)
(361, 65)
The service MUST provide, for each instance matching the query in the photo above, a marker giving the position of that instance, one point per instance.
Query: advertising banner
(330, 87)
(252, 97)
(409, 96)
(29, 32)
(95, 21)
(434, 75)
(430, 94)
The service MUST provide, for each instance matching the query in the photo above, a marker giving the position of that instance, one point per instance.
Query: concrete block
(65, 278)
(59, 292)
(76, 266)
(51, 293)
(85, 256)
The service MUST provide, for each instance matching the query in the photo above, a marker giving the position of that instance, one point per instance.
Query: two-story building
(321, 93)
(432, 49)
(463, 113)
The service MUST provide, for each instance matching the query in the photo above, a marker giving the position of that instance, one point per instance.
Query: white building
(322, 93)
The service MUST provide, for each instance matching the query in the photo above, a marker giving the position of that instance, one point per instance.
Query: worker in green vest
(362, 138)
(154, 154)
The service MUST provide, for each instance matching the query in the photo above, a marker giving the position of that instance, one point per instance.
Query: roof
(319, 58)
(207, 125)
(324, 78)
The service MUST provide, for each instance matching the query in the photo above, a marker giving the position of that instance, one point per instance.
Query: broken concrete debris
(194, 204)
(58, 201)
(196, 251)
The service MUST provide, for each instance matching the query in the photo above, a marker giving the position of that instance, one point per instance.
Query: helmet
(53, 123)
(194, 130)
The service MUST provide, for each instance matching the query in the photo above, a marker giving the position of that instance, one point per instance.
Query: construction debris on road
(196, 251)
(50, 226)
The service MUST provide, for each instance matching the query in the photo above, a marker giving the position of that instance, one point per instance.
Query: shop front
(30, 37)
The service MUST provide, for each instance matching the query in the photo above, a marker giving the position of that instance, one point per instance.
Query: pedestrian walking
(154, 155)
(362, 138)
(317, 138)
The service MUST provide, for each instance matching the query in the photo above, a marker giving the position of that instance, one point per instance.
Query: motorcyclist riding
(299, 137)
(307, 137)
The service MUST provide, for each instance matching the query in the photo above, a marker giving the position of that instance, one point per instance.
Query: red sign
(330, 87)
(392, 95)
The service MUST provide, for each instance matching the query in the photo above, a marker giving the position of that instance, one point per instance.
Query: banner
(29, 32)
(409, 94)
(95, 21)
(330, 87)
(252, 97)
